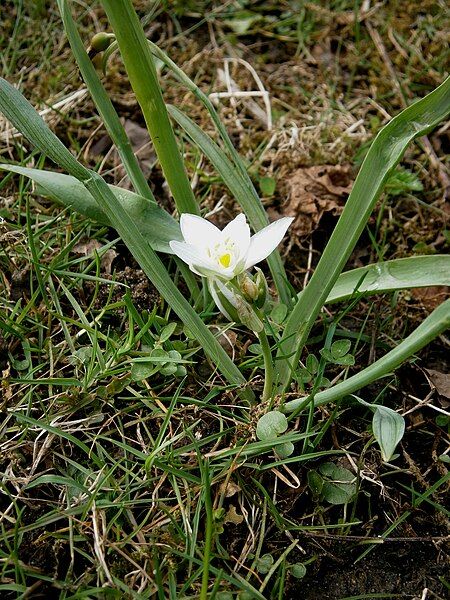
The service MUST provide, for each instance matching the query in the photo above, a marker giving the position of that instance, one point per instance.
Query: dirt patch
(395, 568)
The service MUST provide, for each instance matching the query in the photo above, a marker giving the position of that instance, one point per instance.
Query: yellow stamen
(225, 260)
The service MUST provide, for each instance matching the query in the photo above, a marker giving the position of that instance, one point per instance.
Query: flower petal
(198, 262)
(190, 254)
(199, 232)
(239, 232)
(265, 241)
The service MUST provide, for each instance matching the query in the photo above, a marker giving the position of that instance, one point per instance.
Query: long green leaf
(24, 117)
(155, 224)
(252, 207)
(385, 152)
(392, 275)
(435, 324)
(104, 105)
(141, 71)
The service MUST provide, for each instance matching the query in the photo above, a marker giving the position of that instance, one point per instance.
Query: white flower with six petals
(224, 254)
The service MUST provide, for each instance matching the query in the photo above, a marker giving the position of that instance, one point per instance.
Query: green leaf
(224, 596)
(271, 425)
(383, 156)
(340, 348)
(315, 482)
(339, 486)
(264, 563)
(387, 425)
(278, 313)
(140, 68)
(392, 275)
(388, 428)
(103, 103)
(166, 332)
(435, 324)
(267, 186)
(338, 353)
(143, 370)
(424, 248)
(284, 450)
(346, 361)
(312, 364)
(402, 181)
(242, 21)
(155, 224)
(298, 570)
(327, 355)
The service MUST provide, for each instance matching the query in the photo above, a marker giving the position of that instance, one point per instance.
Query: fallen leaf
(142, 148)
(233, 517)
(441, 382)
(227, 339)
(88, 246)
(229, 489)
(314, 191)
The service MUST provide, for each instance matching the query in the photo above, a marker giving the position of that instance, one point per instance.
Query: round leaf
(298, 570)
(284, 450)
(271, 425)
(264, 564)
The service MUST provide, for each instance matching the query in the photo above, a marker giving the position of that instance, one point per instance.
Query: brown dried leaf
(441, 382)
(142, 147)
(5, 385)
(227, 339)
(229, 489)
(87, 247)
(314, 191)
(232, 516)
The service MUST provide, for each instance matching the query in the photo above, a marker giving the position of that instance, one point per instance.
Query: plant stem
(268, 366)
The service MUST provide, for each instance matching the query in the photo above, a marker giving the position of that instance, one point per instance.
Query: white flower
(224, 254)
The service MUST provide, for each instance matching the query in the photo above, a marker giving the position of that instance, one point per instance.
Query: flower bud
(249, 288)
(263, 289)
(101, 41)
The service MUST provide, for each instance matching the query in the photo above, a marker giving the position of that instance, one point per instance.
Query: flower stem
(268, 366)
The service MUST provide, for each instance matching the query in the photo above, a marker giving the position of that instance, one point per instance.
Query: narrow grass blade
(155, 224)
(385, 152)
(239, 188)
(435, 324)
(399, 274)
(104, 104)
(24, 117)
(141, 71)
